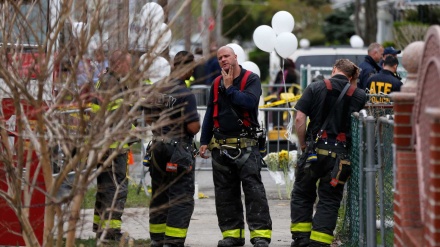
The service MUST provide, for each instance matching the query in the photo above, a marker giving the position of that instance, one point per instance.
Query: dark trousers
(229, 176)
(112, 185)
(304, 195)
(172, 202)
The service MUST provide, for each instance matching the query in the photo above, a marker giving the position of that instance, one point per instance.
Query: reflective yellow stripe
(157, 228)
(98, 84)
(236, 233)
(261, 234)
(176, 232)
(96, 219)
(113, 224)
(301, 227)
(321, 237)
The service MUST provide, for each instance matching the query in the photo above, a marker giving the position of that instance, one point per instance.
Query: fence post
(370, 176)
(362, 116)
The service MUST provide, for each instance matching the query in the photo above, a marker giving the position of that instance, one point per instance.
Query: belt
(238, 142)
(326, 152)
(171, 141)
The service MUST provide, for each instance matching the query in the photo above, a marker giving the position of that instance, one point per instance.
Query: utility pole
(117, 23)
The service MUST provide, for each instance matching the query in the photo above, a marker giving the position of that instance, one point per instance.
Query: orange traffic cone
(130, 158)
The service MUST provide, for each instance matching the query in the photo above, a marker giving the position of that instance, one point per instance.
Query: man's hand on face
(228, 77)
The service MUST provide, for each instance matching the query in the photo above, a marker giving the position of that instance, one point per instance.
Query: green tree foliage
(338, 28)
(238, 23)
(308, 19)
(315, 3)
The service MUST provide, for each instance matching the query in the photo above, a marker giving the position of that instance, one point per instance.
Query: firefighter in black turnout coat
(329, 105)
(229, 131)
(172, 107)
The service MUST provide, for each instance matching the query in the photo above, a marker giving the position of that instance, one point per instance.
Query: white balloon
(251, 66)
(304, 43)
(241, 55)
(282, 22)
(286, 44)
(151, 15)
(264, 38)
(156, 40)
(158, 70)
(356, 41)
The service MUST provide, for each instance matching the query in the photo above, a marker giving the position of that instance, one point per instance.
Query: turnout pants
(229, 175)
(112, 185)
(172, 201)
(320, 227)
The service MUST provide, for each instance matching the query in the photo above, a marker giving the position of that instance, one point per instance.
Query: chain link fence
(359, 224)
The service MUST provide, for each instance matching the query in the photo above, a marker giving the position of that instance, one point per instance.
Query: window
(25, 23)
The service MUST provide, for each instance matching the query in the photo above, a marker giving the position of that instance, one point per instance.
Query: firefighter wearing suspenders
(113, 179)
(229, 131)
(172, 107)
(329, 105)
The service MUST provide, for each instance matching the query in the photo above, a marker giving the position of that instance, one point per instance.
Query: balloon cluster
(279, 37)
(155, 36)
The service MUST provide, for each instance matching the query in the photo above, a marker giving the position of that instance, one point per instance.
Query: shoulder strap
(328, 84)
(333, 109)
(215, 110)
(217, 80)
(329, 87)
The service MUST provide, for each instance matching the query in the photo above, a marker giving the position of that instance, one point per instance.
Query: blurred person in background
(370, 65)
(99, 64)
(212, 66)
(385, 82)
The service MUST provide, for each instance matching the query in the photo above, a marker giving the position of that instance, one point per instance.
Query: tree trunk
(370, 21)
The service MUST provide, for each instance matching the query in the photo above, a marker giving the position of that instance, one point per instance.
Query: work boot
(174, 245)
(230, 242)
(155, 243)
(300, 242)
(318, 244)
(260, 242)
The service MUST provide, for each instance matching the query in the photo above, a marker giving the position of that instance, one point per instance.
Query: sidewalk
(203, 230)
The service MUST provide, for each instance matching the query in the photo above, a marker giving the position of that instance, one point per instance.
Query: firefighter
(173, 107)
(324, 150)
(229, 131)
(112, 183)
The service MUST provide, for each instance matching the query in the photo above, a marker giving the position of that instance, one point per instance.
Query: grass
(134, 200)
(92, 243)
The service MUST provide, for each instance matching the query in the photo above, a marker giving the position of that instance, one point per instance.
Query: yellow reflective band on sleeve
(113, 224)
(115, 104)
(176, 232)
(235, 233)
(301, 227)
(96, 219)
(321, 237)
(95, 107)
(157, 228)
(261, 234)
(98, 84)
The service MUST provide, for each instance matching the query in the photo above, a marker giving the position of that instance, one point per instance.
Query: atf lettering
(380, 87)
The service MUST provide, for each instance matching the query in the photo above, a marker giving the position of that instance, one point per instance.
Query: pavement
(203, 230)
